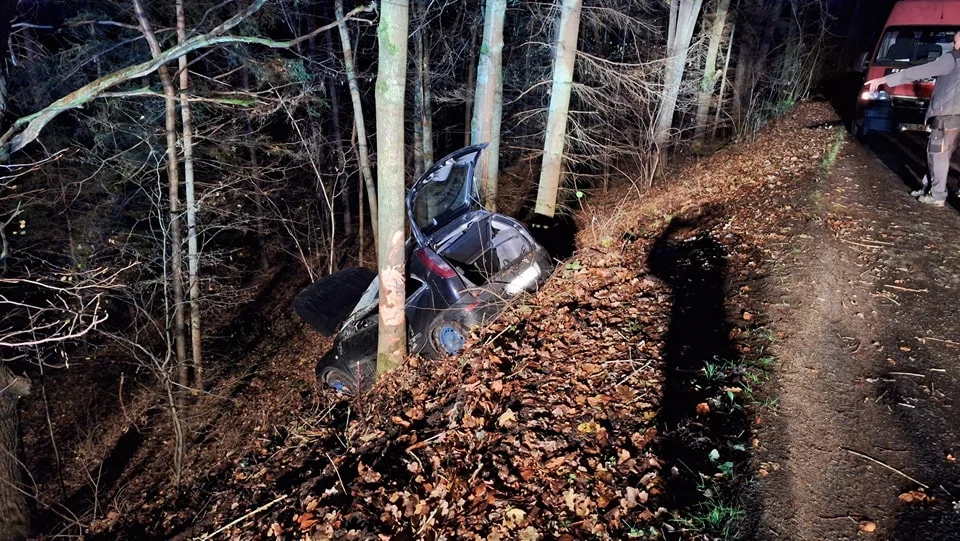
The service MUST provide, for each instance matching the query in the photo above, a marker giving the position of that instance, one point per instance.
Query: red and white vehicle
(916, 32)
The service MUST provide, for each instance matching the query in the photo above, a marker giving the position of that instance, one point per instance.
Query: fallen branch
(891, 468)
(898, 288)
(941, 340)
(260, 509)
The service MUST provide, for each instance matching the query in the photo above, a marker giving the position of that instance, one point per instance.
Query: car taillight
(435, 263)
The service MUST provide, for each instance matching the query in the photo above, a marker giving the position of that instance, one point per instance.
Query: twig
(951, 342)
(904, 404)
(263, 507)
(337, 470)
(898, 288)
(861, 244)
(891, 468)
(911, 374)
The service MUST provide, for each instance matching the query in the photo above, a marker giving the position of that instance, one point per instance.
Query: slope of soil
(759, 349)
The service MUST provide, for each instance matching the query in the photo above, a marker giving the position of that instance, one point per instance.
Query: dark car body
(464, 263)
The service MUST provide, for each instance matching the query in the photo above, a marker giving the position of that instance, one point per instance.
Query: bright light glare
(524, 280)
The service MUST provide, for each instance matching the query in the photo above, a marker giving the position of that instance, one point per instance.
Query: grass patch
(830, 158)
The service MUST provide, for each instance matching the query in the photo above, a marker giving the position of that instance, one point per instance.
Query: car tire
(446, 337)
(350, 380)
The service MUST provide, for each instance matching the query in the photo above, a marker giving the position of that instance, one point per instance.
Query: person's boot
(929, 200)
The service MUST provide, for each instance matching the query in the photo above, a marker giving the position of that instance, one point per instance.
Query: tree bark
(363, 154)
(337, 136)
(173, 196)
(14, 512)
(193, 253)
(489, 89)
(565, 56)
(723, 79)
(391, 76)
(683, 19)
(708, 83)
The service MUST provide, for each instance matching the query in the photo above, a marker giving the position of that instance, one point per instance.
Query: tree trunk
(391, 76)
(258, 197)
(723, 80)
(173, 195)
(176, 256)
(337, 136)
(193, 253)
(708, 83)
(471, 85)
(14, 512)
(418, 113)
(565, 55)
(489, 89)
(427, 118)
(683, 19)
(363, 153)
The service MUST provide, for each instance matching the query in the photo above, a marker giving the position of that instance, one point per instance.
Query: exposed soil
(760, 349)
(862, 295)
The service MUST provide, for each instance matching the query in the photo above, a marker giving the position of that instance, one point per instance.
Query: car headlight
(524, 280)
(881, 95)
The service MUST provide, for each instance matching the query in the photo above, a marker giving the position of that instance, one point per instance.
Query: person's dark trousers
(940, 148)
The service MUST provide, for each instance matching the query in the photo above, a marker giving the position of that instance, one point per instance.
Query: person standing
(943, 116)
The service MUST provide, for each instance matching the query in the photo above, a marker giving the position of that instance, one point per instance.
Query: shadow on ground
(700, 363)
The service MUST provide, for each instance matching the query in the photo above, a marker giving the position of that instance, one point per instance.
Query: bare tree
(553, 143)
(683, 20)
(708, 83)
(363, 154)
(391, 79)
(488, 100)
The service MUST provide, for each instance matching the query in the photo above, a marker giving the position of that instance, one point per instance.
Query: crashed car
(464, 263)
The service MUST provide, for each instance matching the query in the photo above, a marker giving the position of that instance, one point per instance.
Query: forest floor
(759, 349)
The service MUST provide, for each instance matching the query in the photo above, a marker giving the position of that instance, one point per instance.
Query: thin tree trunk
(258, 197)
(489, 81)
(471, 86)
(14, 512)
(427, 119)
(193, 251)
(565, 56)
(723, 80)
(364, 154)
(173, 195)
(709, 81)
(683, 19)
(176, 256)
(418, 92)
(337, 137)
(391, 76)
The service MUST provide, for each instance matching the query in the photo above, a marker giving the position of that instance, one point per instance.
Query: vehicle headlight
(524, 280)
(881, 95)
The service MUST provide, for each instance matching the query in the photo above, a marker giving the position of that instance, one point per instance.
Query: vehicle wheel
(350, 380)
(447, 337)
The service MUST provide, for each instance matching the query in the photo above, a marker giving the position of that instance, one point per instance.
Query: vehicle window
(914, 45)
(445, 194)
(369, 297)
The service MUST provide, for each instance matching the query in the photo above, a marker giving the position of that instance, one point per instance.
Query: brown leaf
(306, 521)
(401, 421)
(747, 316)
(912, 496)
(703, 408)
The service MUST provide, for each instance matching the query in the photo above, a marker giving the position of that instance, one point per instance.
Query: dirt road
(862, 296)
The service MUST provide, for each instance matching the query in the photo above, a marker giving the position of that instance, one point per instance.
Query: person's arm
(943, 65)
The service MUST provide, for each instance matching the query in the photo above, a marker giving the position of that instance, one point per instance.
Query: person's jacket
(946, 92)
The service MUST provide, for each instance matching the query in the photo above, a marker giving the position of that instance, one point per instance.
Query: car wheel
(447, 336)
(351, 379)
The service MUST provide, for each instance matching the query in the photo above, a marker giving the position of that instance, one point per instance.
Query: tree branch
(26, 129)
